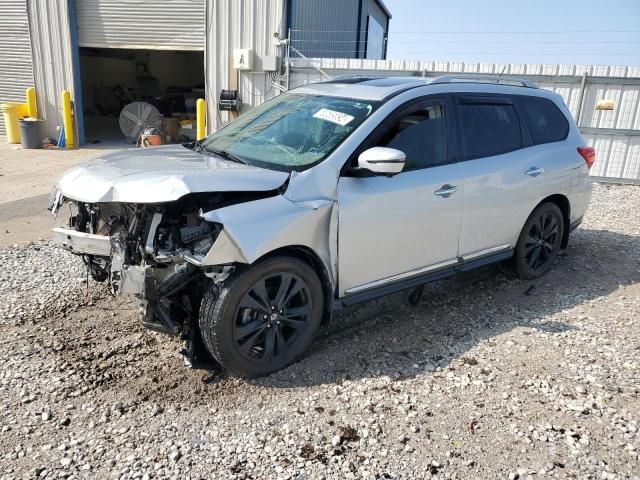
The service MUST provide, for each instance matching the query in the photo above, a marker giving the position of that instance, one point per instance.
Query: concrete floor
(105, 131)
(26, 179)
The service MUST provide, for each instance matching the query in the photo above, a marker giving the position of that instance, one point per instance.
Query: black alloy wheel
(264, 317)
(271, 316)
(539, 242)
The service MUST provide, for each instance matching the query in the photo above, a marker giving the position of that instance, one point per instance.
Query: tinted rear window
(546, 121)
(489, 129)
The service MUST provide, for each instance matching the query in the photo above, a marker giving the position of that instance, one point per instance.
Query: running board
(416, 281)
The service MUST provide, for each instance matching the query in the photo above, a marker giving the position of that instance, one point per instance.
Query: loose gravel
(487, 377)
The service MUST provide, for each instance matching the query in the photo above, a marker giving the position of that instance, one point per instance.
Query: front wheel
(539, 242)
(263, 318)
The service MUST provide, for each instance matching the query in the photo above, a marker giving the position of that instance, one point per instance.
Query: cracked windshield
(290, 132)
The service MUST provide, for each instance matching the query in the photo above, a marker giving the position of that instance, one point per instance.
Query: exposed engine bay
(151, 251)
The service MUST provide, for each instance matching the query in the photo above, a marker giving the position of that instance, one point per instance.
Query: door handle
(534, 171)
(446, 190)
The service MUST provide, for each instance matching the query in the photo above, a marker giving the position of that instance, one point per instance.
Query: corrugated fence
(614, 133)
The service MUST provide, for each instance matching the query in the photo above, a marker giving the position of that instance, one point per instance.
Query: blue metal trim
(289, 16)
(386, 39)
(359, 31)
(75, 62)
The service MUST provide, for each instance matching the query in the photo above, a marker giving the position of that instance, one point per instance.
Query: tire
(251, 339)
(539, 242)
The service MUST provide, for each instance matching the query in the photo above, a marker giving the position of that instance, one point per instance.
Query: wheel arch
(565, 207)
(311, 258)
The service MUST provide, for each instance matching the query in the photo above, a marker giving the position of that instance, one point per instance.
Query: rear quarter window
(546, 122)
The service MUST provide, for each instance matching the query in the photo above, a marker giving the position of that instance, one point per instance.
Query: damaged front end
(151, 251)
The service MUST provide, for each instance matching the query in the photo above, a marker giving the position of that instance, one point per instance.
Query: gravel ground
(488, 377)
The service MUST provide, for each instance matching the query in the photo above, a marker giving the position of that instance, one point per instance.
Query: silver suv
(331, 194)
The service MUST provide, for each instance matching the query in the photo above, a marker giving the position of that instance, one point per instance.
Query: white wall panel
(16, 73)
(142, 24)
(632, 166)
(238, 24)
(52, 57)
(628, 108)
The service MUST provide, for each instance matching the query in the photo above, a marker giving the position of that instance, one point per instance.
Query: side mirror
(382, 160)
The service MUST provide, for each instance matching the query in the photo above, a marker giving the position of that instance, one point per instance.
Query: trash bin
(12, 112)
(31, 133)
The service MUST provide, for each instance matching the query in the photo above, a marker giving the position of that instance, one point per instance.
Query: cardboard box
(170, 129)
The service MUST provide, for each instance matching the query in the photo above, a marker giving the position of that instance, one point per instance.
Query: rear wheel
(539, 242)
(263, 318)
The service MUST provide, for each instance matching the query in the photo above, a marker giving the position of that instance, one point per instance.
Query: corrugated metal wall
(52, 57)
(143, 24)
(239, 24)
(326, 28)
(16, 73)
(615, 134)
(371, 8)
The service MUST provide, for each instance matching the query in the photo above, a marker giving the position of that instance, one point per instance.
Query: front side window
(489, 129)
(290, 132)
(546, 121)
(421, 135)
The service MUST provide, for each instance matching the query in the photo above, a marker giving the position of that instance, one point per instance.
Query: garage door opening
(168, 82)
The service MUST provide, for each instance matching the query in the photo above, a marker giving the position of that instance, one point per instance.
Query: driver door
(392, 228)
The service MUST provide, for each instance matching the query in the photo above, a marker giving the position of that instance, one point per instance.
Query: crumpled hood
(161, 174)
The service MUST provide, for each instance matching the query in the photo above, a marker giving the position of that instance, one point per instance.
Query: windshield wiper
(224, 154)
(195, 145)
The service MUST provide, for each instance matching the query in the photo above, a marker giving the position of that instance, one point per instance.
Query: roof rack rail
(500, 80)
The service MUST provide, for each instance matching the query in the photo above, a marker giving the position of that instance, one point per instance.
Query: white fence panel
(615, 134)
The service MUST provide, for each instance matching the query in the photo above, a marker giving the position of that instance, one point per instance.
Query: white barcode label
(332, 116)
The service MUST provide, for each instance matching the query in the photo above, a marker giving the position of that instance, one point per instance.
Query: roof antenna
(504, 67)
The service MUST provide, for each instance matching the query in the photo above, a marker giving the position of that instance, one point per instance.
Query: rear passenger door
(502, 182)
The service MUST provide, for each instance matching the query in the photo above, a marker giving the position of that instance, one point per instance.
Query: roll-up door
(143, 24)
(16, 70)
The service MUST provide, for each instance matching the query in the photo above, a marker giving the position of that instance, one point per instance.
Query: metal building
(16, 72)
(82, 45)
(94, 48)
(339, 28)
(77, 45)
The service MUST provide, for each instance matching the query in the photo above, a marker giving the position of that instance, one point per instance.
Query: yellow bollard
(67, 120)
(201, 113)
(32, 106)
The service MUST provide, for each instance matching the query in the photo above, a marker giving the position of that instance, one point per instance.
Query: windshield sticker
(332, 116)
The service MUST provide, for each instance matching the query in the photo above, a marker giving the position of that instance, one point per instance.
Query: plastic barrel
(31, 133)
(12, 112)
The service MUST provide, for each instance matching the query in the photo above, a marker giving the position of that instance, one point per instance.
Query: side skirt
(418, 280)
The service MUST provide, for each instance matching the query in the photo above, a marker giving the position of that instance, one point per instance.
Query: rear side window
(546, 121)
(489, 129)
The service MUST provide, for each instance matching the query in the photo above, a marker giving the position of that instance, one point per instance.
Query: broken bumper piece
(82, 243)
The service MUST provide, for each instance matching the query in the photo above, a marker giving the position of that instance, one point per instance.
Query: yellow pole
(67, 120)
(201, 113)
(32, 106)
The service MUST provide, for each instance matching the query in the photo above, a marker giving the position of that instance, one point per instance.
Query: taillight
(589, 155)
